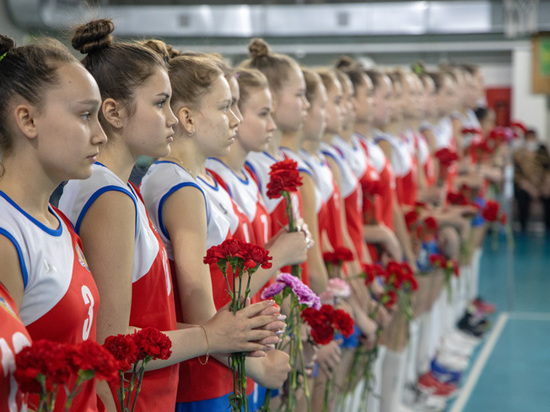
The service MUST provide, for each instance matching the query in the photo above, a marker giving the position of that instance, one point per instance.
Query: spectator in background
(532, 178)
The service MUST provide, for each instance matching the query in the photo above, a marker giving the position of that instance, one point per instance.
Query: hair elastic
(4, 55)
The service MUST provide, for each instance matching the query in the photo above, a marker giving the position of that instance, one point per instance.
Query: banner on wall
(540, 65)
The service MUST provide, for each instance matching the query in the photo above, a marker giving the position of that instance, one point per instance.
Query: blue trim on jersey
(167, 195)
(243, 181)
(331, 155)
(247, 163)
(24, 271)
(94, 197)
(215, 188)
(52, 232)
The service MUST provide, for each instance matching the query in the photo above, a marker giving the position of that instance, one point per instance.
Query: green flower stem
(141, 371)
(328, 388)
(121, 391)
(131, 386)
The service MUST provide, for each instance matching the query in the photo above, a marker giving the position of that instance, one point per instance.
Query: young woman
(49, 133)
(194, 212)
(287, 86)
(125, 253)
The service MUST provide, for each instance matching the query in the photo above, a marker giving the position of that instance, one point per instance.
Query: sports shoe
(473, 325)
(460, 338)
(445, 373)
(429, 384)
(462, 349)
(483, 306)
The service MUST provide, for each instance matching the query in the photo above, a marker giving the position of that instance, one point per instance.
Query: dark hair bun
(6, 44)
(93, 36)
(258, 48)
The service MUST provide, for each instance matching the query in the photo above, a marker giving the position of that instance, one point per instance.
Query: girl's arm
(10, 273)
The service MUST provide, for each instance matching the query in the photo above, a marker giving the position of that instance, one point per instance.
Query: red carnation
(438, 260)
(342, 322)
(430, 223)
(446, 156)
(411, 218)
(322, 334)
(44, 357)
(456, 267)
(124, 349)
(284, 177)
(258, 255)
(490, 211)
(152, 343)
(455, 198)
(503, 219)
(90, 355)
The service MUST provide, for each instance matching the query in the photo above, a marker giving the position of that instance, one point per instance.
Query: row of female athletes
(113, 258)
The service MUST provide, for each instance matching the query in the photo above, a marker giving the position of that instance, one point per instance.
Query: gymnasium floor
(510, 369)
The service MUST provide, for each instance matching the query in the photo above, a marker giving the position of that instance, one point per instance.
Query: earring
(191, 133)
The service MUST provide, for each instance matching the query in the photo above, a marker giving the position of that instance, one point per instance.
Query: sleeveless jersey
(387, 178)
(246, 195)
(410, 180)
(196, 382)
(349, 164)
(59, 289)
(400, 160)
(260, 164)
(444, 139)
(152, 290)
(13, 338)
(424, 156)
(329, 215)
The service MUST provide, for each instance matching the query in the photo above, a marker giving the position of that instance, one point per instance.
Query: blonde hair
(248, 80)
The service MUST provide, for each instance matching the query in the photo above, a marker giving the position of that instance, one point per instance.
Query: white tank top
(79, 195)
(400, 156)
(260, 163)
(322, 175)
(244, 192)
(46, 258)
(164, 178)
(349, 180)
(353, 154)
(443, 133)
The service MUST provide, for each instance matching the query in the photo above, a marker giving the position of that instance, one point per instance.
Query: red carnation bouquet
(324, 323)
(133, 352)
(424, 230)
(335, 259)
(446, 158)
(284, 178)
(242, 259)
(491, 213)
(49, 368)
(450, 267)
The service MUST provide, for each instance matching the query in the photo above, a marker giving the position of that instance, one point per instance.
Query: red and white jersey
(13, 338)
(424, 156)
(303, 167)
(344, 155)
(196, 382)
(329, 215)
(349, 180)
(152, 290)
(59, 289)
(444, 139)
(164, 178)
(401, 161)
(387, 178)
(260, 164)
(246, 194)
(443, 132)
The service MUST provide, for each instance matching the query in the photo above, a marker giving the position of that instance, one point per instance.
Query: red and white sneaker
(428, 383)
(484, 307)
